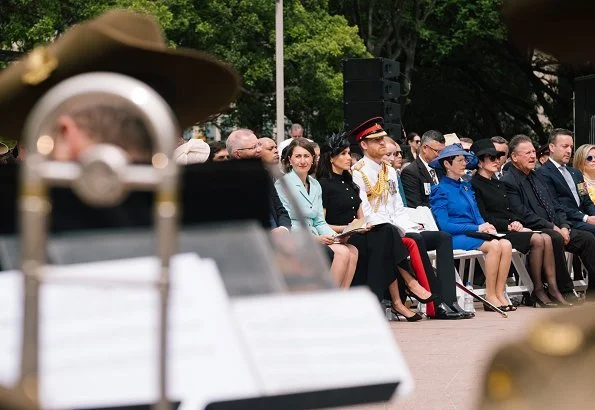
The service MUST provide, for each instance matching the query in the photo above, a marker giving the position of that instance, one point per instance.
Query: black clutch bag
(484, 235)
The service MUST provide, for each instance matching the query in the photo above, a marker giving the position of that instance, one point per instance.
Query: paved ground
(448, 358)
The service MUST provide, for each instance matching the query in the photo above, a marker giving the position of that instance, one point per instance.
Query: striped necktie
(434, 177)
(541, 197)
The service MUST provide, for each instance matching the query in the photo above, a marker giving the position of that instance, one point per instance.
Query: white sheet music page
(99, 343)
(323, 340)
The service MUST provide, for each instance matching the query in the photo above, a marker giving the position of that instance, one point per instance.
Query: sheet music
(322, 340)
(99, 344)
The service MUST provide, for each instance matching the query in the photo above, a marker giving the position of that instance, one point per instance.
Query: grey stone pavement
(448, 358)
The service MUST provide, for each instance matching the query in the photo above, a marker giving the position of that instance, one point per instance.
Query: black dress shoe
(445, 313)
(455, 307)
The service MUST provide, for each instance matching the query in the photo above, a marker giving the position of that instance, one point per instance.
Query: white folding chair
(424, 216)
(579, 284)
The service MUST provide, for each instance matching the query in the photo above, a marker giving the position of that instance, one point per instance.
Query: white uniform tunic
(392, 211)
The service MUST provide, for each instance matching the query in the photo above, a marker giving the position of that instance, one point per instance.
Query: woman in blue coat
(299, 164)
(455, 209)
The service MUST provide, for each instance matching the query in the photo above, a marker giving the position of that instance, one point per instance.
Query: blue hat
(454, 150)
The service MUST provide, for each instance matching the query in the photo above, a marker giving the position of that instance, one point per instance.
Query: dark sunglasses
(589, 158)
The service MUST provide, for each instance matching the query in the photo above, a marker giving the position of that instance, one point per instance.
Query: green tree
(239, 31)
(243, 33)
(390, 28)
(472, 80)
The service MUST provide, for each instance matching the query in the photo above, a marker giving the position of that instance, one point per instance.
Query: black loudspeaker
(584, 111)
(370, 69)
(358, 112)
(371, 90)
(394, 130)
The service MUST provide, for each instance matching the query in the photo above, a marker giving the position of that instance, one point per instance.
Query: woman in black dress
(382, 253)
(493, 205)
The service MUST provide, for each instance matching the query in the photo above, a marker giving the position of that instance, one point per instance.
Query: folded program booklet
(355, 226)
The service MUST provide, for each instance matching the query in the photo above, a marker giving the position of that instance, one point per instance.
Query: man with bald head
(243, 144)
(269, 153)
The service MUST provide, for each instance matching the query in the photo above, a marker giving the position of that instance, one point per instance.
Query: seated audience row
(391, 254)
(377, 268)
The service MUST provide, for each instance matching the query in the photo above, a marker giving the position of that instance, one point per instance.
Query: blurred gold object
(12, 399)
(39, 65)
(556, 339)
(551, 368)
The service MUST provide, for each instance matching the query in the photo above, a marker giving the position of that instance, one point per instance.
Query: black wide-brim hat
(485, 147)
(194, 84)
(563, 28)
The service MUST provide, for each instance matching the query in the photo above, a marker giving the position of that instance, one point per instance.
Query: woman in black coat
(382, 262)
(493, 205)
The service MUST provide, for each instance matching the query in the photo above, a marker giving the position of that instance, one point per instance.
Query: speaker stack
(584, 110)
(371, 89)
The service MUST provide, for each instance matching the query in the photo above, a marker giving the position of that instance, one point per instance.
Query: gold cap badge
(39, 66)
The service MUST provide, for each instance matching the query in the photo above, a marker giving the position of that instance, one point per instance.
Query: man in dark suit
(529, 198)
(566, 183)
(243, 144)
(418, 178)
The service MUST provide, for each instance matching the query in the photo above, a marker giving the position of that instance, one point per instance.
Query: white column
(280, 101)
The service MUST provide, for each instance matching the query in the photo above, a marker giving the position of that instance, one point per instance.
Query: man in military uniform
(382, 203)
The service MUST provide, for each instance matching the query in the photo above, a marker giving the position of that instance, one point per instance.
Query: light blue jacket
(310, 203)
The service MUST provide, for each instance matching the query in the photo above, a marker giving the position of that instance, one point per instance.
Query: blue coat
(455, 209)
(310, 203)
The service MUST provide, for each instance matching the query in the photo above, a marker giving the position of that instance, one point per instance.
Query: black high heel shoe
(561, 303)
(415, 318)
(538, 303)
(420, 300)
(503, 308)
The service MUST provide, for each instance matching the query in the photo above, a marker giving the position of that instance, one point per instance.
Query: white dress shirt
(393, 211)
(431, 171)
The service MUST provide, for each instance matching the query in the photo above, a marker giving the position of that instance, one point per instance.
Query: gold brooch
(39, 65)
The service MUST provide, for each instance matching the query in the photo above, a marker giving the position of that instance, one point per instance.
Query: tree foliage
(460, 71)
(470, 78)
(242, 32)
(390, 28)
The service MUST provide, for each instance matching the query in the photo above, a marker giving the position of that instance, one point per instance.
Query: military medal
(392, 187)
